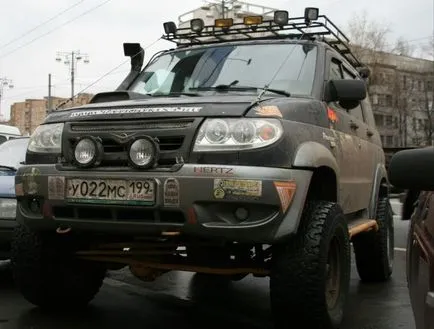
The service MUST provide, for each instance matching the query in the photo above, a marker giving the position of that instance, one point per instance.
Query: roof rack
(322, 29)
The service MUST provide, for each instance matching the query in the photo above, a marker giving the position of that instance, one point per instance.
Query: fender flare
(379, 176)
(315, 155)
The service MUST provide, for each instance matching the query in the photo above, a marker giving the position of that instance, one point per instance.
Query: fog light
(143, 152)
(35, 206)
(88, 152)
(241, 214)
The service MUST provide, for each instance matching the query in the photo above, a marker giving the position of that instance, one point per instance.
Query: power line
(53, 30)
(107, 74)
(115, 68)
(43, 23)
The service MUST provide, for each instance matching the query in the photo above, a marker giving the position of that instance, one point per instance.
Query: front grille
(122, 214)
(173, 136)
(132, 126)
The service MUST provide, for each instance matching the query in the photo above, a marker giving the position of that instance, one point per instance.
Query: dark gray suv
(251, 145)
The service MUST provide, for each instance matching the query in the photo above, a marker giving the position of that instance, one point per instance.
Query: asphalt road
(183, 300)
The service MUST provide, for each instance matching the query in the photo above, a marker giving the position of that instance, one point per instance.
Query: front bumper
(6, 230)
(187, 202)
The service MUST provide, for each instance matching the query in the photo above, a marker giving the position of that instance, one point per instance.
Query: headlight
(47, 139)
(8, 208)
(237, 134)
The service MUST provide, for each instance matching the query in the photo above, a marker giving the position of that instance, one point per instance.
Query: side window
(335, 70)
(2, 139)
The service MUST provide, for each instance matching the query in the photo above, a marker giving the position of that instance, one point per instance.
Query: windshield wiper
(242, 88)
(8, 168)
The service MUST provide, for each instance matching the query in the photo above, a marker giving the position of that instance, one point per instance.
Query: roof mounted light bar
(311, 25)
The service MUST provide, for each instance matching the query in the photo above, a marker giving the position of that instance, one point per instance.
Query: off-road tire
(298, 276)
(47, 274)
(374, 249)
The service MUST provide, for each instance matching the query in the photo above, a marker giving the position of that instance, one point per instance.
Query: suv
(251, 148)
(412, 169)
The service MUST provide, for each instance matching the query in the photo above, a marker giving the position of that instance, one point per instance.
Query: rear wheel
(47, 273)
(374, 250)
(310, 275)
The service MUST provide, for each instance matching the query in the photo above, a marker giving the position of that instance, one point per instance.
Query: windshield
(13, 152)
(231, 65)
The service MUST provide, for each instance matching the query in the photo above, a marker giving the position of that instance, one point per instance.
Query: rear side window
(2, 139)
(335, 70)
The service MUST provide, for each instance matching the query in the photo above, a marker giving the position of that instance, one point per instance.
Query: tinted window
(252, 65)
(2, 139)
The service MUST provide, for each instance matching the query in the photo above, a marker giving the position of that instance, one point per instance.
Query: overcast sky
(101, 32)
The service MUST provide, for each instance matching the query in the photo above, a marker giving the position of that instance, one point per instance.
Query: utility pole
(49, 93)
(4, 82)
(223, 8)
(71, 59)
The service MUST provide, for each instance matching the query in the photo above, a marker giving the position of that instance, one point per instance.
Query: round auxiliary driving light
(143, 152)
(88, 152)
(197, 25)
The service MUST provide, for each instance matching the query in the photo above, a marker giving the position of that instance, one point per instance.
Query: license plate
(111, 191)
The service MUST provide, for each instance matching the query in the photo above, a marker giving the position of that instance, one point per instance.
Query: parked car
(413, 170)
(8, 132)
(12, 154)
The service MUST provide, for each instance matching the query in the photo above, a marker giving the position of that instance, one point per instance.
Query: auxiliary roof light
(281, 17)
(170, 27)
(224, 22)
(311, 14)
(197, 25)
(253, 20)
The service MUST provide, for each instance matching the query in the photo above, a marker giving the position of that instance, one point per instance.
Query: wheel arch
(380, 188)
(322, 162)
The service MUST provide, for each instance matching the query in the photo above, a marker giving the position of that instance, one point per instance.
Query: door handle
(354, 125)
(369, 133)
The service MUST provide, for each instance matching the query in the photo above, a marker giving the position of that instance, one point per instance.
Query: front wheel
(310, 275)
(47, 273)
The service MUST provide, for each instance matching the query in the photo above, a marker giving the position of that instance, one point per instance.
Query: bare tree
(368, 39)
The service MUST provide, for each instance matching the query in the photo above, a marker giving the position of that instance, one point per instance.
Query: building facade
(29, 114)
(401, 89)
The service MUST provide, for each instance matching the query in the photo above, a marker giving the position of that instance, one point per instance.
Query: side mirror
(413, 169)
(347, 92)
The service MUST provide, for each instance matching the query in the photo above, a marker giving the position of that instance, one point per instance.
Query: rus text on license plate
(111, 191)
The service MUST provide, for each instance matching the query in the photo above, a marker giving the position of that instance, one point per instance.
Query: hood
(155, 107)
(7, 186)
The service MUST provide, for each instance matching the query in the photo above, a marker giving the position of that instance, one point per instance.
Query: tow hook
(63, 230)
